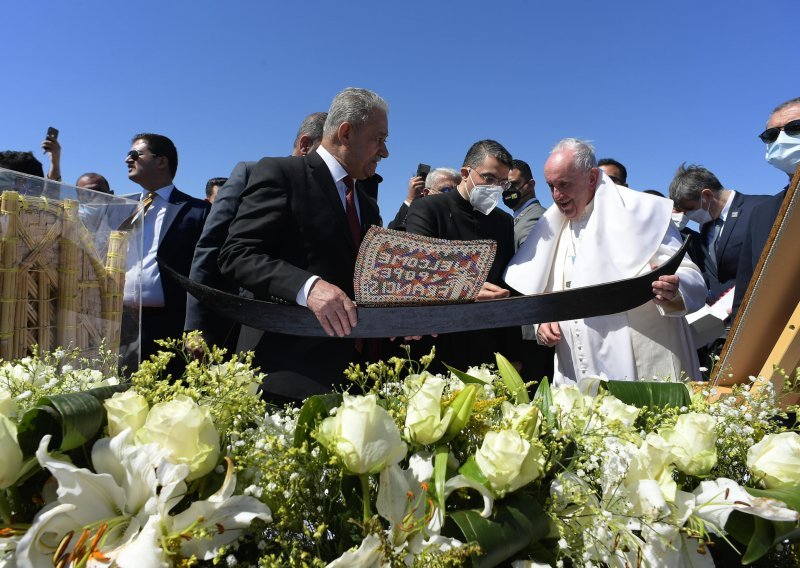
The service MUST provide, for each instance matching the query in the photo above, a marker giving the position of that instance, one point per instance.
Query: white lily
(121, 513)
(368, 555)
(716, 499)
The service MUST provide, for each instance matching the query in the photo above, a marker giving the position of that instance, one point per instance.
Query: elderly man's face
(442, 184)
(571, 188)
(780, 118)
(366, 146)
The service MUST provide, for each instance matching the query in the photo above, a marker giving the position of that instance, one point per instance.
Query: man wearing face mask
(521, 199)
(782, 137)
(471, 213)
(722, 215)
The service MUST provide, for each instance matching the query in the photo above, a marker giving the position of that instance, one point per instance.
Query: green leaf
(72, 419)
(440, 473)
(465, 378)
(651, 394)
(472, 470)
(516, 524)
(314, 409)
(512, 380)
(760, 542)
(543, 399)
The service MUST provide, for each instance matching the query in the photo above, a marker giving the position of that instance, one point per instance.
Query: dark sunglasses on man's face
(136, 154)
(792, 128)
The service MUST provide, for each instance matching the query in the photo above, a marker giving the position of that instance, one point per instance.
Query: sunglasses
(136, 154)
(791, 128)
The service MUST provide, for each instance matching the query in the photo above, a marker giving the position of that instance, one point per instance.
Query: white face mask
(700, 216)
(484, 198)
(680, 219)
(784, 153)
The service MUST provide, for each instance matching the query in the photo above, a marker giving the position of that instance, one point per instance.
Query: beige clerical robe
(622, 234)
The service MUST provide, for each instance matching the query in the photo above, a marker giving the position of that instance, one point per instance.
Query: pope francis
(597, 232)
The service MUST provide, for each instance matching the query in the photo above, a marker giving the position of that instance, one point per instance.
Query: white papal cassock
(621, 234)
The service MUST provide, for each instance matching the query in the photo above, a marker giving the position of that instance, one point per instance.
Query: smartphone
(423, 170)
(52, 133)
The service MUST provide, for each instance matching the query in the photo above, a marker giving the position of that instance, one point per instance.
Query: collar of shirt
(338, 173)
(724, 213)
(164, 192)
(527, 204)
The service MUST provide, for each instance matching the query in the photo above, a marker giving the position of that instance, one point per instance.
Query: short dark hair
(654, 192)
(160, 146)
(524, 169)
(22, 162)
(619, 166)
(478, 152)
(311, 126)
(102, 180)
(210, 184)
(690, 180)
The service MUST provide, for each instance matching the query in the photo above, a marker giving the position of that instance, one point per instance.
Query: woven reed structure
(55, 289)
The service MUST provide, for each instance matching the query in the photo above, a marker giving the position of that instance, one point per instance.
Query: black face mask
(511, 197)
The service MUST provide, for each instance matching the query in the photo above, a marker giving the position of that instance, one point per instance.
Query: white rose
(425, 421)
(8, 406)
(694, 443)
(509, 461)
(125, 410)
(363, 435)
(653, 460)
(11, 462)
(186, 431)
(611, 409)
(571, 407)
(775, 460)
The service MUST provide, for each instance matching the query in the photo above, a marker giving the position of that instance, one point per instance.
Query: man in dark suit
(205, 270)
(722, 214)
(782, 137)
(168, 224)
(296, 236)
(471, 213)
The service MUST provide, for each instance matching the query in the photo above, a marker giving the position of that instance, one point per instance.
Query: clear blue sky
(652, 84)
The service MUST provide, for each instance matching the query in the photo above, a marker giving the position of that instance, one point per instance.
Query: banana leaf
(314, 409)
(543, 398)
(650, 394)
(71, 419)
(465, 378)
(516, 526)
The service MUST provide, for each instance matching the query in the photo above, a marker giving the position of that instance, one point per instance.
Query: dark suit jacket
(205, 270)
(450, 216)
(758, 228)
(290, 226)
(729, 246)
(399, 221)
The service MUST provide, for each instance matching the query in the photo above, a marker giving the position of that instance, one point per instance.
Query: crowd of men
(288, 230)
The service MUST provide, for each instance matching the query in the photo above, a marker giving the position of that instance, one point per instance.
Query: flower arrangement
(406, 468)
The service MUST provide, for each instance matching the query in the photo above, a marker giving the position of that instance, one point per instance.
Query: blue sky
(652, 84)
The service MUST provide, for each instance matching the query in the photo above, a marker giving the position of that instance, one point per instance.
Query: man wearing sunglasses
(468, 213)
(168, 224)
(782, 137)
(722, 214)
(440, 180)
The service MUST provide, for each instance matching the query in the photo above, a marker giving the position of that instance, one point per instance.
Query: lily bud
(462, 409)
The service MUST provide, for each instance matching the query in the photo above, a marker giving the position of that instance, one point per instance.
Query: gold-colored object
(55, 288)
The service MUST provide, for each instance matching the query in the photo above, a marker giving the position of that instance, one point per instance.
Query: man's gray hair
(787, 104)
(440, 173)
(354, 106)
(690, 181)
(312, 127)
(584, 158)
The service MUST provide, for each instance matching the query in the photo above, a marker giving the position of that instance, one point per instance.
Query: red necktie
(350, 210)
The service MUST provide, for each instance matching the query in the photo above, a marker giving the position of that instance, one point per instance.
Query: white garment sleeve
(692, 290)
(302, 294)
